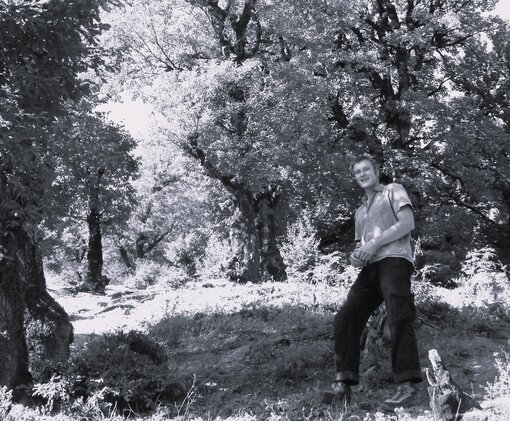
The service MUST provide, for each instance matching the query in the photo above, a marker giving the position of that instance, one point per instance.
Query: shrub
(187, 251)
(300, 249)
(55, 393)
(5, 401)
(216, 258)
(482, 260)
(484, 281)
(130, 366)
(500, 388)
(304, 260)
(149, 273)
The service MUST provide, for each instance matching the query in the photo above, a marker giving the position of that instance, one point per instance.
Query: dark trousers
(388, 281)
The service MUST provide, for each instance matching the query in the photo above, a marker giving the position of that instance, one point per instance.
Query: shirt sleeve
(398, 197)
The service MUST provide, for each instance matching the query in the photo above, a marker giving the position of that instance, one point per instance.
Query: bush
(217, 256)
(484, 281)
(55, 393)
(482, 260)
(500, 388)
(5, 401)
(300, 250)
(130, 366)
(187, 251)
(304, 260)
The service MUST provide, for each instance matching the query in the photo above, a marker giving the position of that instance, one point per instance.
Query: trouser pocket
(401, 307)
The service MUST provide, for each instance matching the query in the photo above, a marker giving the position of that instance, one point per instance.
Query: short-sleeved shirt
(371, 219)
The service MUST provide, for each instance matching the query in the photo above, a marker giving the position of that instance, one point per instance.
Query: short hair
(359, 158)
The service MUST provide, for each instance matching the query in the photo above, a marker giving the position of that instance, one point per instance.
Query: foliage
(130, 365)
(215, 259)
(482, 260)
(149, 273)
(393, 64)
(484, 281)
(300, 249)
(56, 395)
(44, 47)
(500, 387)
(5, 401)
(98, 145)
(316, 83)
(306, 262)
(66, 250)
(187, 251)
(92, 178)
(55, 392)
(254, 120)
(174, 203)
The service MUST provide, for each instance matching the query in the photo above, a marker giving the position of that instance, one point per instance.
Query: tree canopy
(278, 96)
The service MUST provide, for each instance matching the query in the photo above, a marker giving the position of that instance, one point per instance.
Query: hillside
(265, 351)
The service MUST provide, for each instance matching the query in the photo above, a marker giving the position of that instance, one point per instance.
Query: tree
(272, 99)
(237, 101)
(44, 46)
(399, 67)
(93, 183)
(173, 200)
(485, 78)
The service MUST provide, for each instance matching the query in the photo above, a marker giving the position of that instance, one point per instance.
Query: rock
(447, 400)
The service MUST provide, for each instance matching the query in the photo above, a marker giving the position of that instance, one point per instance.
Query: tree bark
(13, 280)
(95, 278)
(125, 258)
(48, 329)
(253, 233)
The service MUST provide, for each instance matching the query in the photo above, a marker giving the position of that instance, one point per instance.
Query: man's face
(365, 174)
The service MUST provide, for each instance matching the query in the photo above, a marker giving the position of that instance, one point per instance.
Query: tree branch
(193, 149)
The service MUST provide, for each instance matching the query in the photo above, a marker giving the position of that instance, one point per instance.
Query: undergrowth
(266, 352)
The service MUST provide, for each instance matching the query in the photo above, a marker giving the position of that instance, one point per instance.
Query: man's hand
(355, 260)
(366, 251)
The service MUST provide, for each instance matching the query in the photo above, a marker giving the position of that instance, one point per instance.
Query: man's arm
(403, 226)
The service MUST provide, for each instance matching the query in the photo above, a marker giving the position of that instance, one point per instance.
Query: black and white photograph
(244, 210)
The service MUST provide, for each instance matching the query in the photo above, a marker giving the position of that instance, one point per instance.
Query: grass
(250, 352)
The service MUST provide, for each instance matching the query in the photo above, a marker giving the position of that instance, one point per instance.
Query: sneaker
(340, 392)
(402, 397)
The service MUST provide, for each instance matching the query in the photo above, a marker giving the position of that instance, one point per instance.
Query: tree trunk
(48, 329)
(95, 279)
(256, 257)
(13, 280)
(140, 242)
(125, 258)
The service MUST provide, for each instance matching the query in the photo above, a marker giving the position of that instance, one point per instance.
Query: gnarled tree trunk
(35, 331)
(48, 329)
(253, 232)
(13, 280)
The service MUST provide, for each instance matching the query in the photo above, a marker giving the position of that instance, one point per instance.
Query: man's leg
(362, 300)
(395, 282)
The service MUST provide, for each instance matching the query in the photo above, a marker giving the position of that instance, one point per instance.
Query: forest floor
(266, 351)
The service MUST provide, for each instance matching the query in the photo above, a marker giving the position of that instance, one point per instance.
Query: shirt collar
(378, 188)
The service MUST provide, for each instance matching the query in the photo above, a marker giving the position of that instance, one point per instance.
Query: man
(383, 225)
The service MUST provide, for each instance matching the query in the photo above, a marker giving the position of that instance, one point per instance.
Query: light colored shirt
(371, 219)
